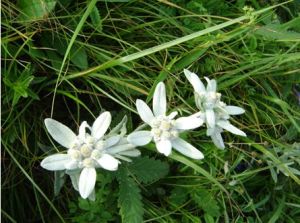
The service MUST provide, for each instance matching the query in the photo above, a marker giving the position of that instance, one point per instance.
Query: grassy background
(73, 59)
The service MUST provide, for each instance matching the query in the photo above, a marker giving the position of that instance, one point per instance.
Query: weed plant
(72, 60)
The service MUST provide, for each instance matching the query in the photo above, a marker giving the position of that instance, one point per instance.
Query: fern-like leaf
(206, 201)
(148, 170)
(130, 199)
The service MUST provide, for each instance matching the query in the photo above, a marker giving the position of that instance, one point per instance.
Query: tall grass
(73, 59)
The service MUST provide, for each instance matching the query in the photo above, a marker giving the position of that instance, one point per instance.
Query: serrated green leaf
(130, 199)
(96, 19)
(148, 170)
(206, 201)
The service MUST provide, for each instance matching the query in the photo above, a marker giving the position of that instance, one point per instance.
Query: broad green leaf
(78, 55)
(130, 199)
(178, 196)
(148, 170)
(35, 9)
(96, 19)
(188, 59)
(208, 218)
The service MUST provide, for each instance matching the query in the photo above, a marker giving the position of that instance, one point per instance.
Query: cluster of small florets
(86, 153)
(214, 112)
(163, 128)
(208, 100)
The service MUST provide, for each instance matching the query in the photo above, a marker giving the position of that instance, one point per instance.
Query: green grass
(73, 60)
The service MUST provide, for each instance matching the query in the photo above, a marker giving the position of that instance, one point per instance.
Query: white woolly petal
(71, 165)
(111, 141)
(144, 111)
(234, 110)
(139, 138)
(195, 81)
(200, 115)
(101, 125)
(82, 131)
(210, 118)
(190, 122)
(160, 100)
(211, 85)
(119, 148)
(60, 133)
(123, 141)
(186, 149)
(132, 153)
(218, 140)
(75, 180)
(87, 181)
(226, 125)
(164, 147)
(172, 115)
(120, 157)
(92, 196)
(108, 162)
(56, 162)
(210, 131)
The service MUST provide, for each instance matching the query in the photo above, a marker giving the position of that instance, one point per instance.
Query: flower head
(165, 128)
(214, 112)
(87, 151)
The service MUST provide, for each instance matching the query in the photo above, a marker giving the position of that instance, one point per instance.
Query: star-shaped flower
(86, 152)
(164, 128)
(213, 111)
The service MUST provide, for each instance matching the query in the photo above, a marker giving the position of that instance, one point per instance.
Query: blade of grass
(89, 9)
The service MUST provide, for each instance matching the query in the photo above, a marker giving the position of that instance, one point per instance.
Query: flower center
(87, 152)
(88, 162)
(207, 100)
(75, 154)
(163, 128)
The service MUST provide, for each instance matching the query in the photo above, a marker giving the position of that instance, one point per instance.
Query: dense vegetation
(74, 59)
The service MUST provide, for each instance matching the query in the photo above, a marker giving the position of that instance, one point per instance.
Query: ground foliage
(74, 59)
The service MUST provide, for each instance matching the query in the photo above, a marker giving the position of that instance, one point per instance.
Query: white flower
(86, 152)
(213, 111)
(164, 129)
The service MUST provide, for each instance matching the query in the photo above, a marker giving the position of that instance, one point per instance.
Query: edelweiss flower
(86, 151)
(213, 111)
(164, 129)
